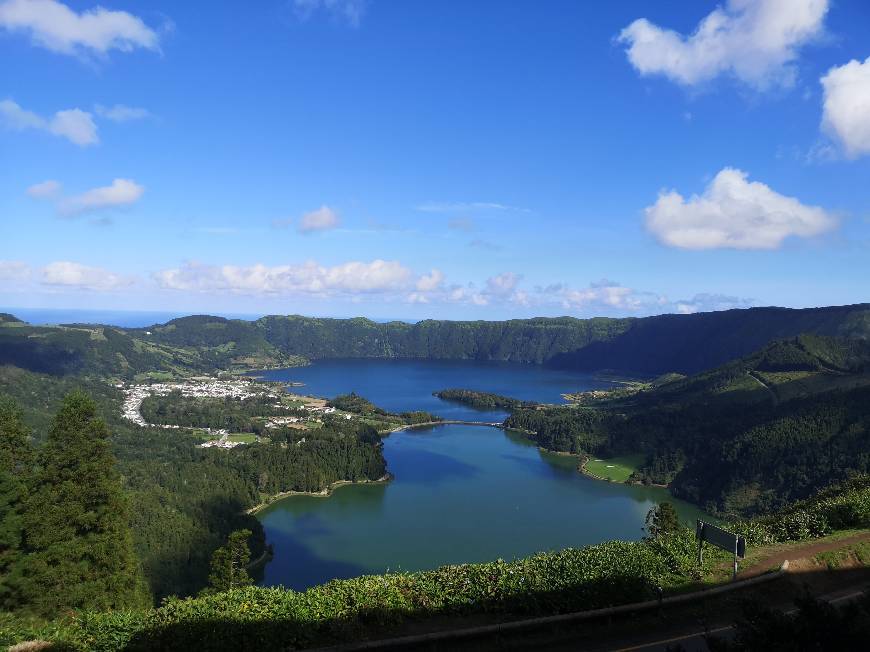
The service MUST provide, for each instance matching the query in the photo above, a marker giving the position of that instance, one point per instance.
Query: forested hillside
(693, 343)
(185, 500)
(746, 437)
(650, 345)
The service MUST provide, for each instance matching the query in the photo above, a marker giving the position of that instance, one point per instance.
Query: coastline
(323, 493)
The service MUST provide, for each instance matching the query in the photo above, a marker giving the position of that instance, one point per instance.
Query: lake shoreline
(323, 493)
(582, 468)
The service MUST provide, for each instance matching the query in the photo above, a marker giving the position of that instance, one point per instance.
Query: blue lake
(460, 493)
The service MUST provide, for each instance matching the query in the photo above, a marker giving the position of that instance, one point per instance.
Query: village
(208, 387)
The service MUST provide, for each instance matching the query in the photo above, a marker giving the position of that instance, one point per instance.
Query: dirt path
(770, 389)
(808, 551)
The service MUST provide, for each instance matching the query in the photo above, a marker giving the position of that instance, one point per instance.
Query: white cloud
(45, 190)
(350, 11)
(75, 275)
(75, 125)
(431, 281)
(307, 278)
(15, 117)
(846, 114)
(121, 112)
(607, 295)
(503, 284)
(323, 219)
(733, 213)
(14, 270)
(756, 41)
(54, 26)
(122, 192)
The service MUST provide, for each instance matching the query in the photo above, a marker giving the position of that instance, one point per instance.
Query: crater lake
(459, 493)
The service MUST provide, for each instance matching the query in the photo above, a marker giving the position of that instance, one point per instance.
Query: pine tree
(16, 460)
(662, 520)
(229, 564)
(76, 532)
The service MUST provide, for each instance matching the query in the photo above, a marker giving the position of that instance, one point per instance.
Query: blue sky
(434, 159)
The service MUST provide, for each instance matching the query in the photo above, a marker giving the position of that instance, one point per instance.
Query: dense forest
(184, 500)
(482, 400)
(747, 437)
(649, 345)
(227, 413)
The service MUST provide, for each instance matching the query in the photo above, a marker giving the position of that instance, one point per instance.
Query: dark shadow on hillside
(621, 630)
(38, 356)
(691, 343)
(183, 566)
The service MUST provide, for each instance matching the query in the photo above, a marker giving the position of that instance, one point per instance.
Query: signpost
(727, 541)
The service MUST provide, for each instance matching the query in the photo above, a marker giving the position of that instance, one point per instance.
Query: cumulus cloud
(310, 278)
(45, 190)
(122, 192)
(52, 25)
(74, 275)
(846, 115)
(121, 112)
(350, 11)
(75, 125)
(755, 41)
(606, 294)
(733, 213)
(323, 219)
(14, 270)
(431, 281)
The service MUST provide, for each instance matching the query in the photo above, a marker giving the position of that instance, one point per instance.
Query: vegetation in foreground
(547, 583)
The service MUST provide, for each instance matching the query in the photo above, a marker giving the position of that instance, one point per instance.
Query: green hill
(650, 345)
(751, 435)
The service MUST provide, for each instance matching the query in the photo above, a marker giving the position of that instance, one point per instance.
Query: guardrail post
(736, 540)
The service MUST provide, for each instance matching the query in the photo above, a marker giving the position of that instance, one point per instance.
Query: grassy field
(245, 437)
(615, 469)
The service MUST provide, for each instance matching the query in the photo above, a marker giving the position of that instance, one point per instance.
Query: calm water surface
(460, 493)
